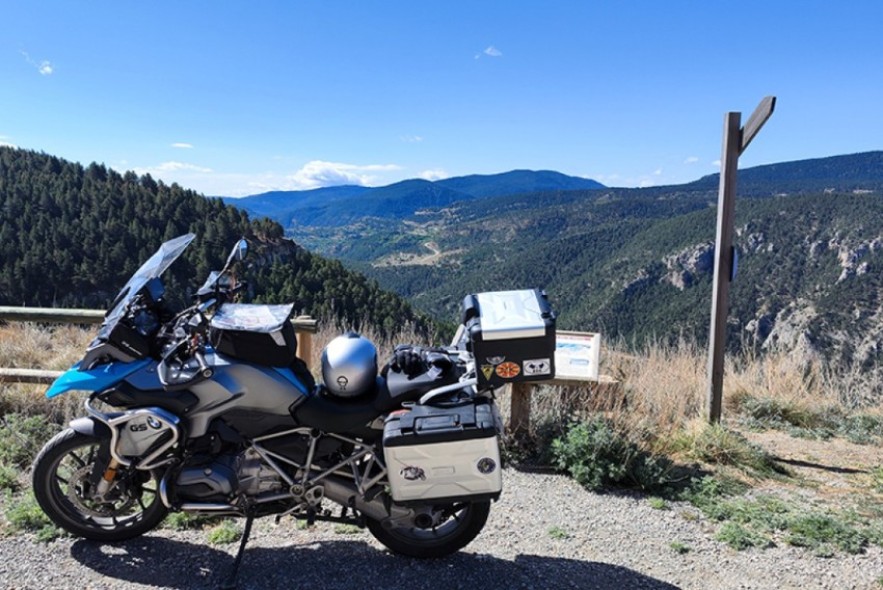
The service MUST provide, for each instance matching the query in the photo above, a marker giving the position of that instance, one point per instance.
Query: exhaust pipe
(346, 494)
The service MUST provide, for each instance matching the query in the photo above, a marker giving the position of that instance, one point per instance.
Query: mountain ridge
(340, 205)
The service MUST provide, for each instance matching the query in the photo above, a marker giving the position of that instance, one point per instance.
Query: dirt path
(545, 532)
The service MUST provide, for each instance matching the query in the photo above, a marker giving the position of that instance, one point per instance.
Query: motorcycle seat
(338, 415)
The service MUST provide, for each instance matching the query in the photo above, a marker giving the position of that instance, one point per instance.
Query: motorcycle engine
(219, 480)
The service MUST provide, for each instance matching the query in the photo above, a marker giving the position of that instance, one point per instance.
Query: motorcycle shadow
(343, 565)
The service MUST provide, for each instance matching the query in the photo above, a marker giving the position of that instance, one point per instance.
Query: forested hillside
(71, 236)
(637, 263)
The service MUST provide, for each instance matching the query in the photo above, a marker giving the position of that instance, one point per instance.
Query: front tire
(61, 486)
(455, 528)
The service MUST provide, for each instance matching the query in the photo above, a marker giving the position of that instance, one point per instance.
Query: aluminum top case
(511, 334)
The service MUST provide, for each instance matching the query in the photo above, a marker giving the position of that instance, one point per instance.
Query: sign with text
(577, 355)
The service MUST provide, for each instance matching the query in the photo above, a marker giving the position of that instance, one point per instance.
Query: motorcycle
(209, 411)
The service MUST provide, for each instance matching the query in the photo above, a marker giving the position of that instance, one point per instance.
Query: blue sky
(235, 98)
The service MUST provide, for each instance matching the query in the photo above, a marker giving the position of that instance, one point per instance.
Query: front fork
(106, 481)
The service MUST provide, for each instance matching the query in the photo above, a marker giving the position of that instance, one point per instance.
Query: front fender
(91, 427)
(97, 379)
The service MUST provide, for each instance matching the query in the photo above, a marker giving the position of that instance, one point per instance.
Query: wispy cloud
(318, 173)
(4, 142)
(411, 138)
(716, 163)
(45, 67)
(657, 172)
(435, 174)
(182, 145)
(691, 160)
(491, 51)
(167, 167)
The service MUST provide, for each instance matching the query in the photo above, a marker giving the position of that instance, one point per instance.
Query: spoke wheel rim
(70, 488)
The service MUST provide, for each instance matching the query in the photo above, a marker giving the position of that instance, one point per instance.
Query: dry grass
(661, 396)
(32, 346)
(661, 388)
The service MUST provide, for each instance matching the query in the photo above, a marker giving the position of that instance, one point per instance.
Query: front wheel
(443, 530)
(63, 488)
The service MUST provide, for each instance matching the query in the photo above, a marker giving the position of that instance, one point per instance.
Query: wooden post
(304, 328)
(51, 315)
(519, 410)
(29, 376)
(734, 143)
(305, 347)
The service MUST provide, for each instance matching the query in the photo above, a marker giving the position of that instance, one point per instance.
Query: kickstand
(230, 582)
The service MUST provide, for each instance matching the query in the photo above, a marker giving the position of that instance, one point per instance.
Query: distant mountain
(517, 182)
(342, 205)
(637, 263)
(863, 171)
(282, 205)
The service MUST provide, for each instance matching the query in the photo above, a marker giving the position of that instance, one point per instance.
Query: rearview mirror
(238, 253)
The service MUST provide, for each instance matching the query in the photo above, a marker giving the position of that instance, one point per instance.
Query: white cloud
(716, 163)
(182, 145)
(436, 174)
(5, 143)
(173, 167)
(411, 138)
(657, 172)
(317, 174)
(645, 183)
(491, 51)
(314, 174)
(691, 160)
(44, 67)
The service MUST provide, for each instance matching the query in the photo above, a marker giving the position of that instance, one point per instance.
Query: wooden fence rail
(304, 328)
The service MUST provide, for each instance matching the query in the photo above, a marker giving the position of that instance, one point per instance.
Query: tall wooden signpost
(736, 140)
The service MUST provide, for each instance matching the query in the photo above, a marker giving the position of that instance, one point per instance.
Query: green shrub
(596, 455)
(183, 521)
(49, 533)
(812, 423)
(679, 547)
(24, 514)
(715, 444)
(347, 529)
(21, 438)
(225, 533)
(740, 537)
(819, 531)
(558, 533)
(9, 478)
(862, 429)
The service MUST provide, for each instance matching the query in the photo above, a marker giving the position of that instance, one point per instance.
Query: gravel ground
(612, 541)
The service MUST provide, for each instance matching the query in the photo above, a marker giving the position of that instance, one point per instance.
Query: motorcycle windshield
(162, 259)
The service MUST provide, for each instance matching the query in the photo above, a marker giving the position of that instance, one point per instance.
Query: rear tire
(463, 524)
(61, 485)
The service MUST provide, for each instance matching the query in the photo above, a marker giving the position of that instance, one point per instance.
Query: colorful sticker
(488, 370)
(495, 360)
(538, 367)
(508, 370)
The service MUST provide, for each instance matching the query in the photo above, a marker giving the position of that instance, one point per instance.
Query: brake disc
(92, 505)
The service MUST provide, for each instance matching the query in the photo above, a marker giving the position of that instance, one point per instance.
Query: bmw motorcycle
(209, 411)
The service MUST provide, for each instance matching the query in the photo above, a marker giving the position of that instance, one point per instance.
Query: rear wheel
(438, 530)
(63, 488)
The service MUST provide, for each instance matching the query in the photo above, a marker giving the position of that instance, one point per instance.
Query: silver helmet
(349, 365)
